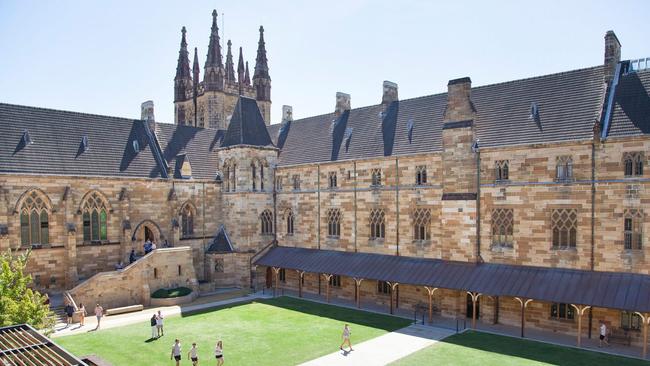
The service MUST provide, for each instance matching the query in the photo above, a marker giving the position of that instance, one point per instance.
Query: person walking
(69, 312)
(154, 333)
(159, 324)
(82, 314)
(346, 338)
(132, 256)
(193, 355)
(603, 334)
(218, 353)
(176, 352)
(99, 312)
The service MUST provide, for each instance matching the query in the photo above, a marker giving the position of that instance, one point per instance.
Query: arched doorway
(148, 234)
(147, 230)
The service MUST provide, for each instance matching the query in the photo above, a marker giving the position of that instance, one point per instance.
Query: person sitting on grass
(176, 352)
(346, 338)
(193, 355)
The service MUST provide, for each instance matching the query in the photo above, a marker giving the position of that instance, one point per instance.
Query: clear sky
(107, 57)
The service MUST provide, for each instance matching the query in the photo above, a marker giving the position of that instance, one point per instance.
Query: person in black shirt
(153, 327)
(69, 311)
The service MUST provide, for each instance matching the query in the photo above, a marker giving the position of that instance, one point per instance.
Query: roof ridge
(71, 112)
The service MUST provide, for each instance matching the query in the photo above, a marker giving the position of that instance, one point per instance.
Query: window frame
(501, 170)
(266, 222)
(633, 229)
(502, 227)
(421, 225)
(377, 224)
(562, 311)
(334, 217)
(564, 168)
(375, 177)
(564, 228)
(421, 175)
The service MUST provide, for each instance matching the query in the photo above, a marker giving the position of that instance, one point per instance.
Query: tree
(19, 303)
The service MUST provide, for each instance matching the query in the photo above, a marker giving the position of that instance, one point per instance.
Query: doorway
(148, 234)
(269, 277)
(469, 307)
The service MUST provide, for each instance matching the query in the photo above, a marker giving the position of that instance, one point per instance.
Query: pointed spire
(183, 78)
(230, 66)
(214, 58)
(261, 65)
(247, 76)
(195, 68)
(240, 67)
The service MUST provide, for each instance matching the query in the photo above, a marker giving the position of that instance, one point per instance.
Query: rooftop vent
(348, 136)
(534, 112)
(409, 129)
(638, 65)
(136, 146)
(84, 144)
(27, 139)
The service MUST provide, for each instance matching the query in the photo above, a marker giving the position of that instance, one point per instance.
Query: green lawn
(281, 331)
(475, 348)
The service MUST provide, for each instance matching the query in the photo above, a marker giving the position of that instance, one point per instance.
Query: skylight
(409, 129)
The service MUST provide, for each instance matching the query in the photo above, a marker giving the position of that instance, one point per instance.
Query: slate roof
(221, 242)
(56, 147)
(631, 112)
(624, 291)
(568, 102)
(246, 126)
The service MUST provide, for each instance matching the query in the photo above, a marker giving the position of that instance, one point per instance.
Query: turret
(262, 80)
(183, 79)
(195, 91)
(240, 71)
(213, 75)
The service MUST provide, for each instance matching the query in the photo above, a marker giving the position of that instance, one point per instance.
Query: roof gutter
(607, 118)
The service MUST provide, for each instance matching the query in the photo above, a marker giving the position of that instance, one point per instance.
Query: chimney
(459, 103)
(389, 93)
(287, 113)
(612, 54)
(147, 115)
(342, 103)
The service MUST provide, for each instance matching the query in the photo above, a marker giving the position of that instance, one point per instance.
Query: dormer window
(136, 146)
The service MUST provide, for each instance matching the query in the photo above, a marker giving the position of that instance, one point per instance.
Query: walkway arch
(147, 229)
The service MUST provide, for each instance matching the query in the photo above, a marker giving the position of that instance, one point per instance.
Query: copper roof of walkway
(625, 291)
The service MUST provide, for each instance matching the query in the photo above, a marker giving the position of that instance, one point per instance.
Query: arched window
(266, 222)
(564, 168)
(564, 223)
(187, 220)
(421, 224)
(226, 177)
(253, 176)
(95, 217)
(34, 219)
(420, 175)
(261, 177)
(233, 177)
(633, 163)
(377, 224)
(290, 219)
(632, 229)
(334, 222)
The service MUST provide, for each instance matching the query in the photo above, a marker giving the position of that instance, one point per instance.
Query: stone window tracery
(421, 224)
(296, 182)
(34, 219)
(377, 224)
(95, 218)
(376, 177)
(564, 168)
(266, 222)
(633, 229)
(290, 220)
(501, 170)
(188, 212)
(633, 163)
(331, 178)
(564, 224)
(502, 227)
(334, 222)
(420, 175)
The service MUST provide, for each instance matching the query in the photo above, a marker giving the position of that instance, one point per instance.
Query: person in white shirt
(603, 334)
(176, 352)
(193, 355)
(218, 353)
(346, 338)
(159, 324)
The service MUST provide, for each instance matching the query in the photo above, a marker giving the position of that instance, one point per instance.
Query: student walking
(99, 312)
(159, 324)
(218, 353)
(69, 311)
(346, 338)
(82, 314)
(154, 333)
(603, 334)
(193, 355)
(176, 352)
(132, 256)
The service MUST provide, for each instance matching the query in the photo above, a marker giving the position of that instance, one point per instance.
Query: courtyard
(290, 331)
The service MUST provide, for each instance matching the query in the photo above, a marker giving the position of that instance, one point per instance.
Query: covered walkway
(582, 289)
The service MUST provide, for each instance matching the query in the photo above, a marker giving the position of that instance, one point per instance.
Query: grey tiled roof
(568, 104)
(631, 113)
(246, 126)
(56, 147)
(220, 243)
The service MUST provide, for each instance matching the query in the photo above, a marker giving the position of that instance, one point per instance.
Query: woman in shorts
(218, 353)
(193, 355)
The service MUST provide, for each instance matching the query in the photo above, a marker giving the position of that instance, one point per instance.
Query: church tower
(262, 80)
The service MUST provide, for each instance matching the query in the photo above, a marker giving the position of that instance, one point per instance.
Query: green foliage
(19, 303)
(172, 292)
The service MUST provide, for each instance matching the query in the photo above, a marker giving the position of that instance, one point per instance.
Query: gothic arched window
(633, 163)
(564, 223)
(95, 217)
(377, 224)
(422, 224)
(34, 219)
(290, 220)
(266, 222)
(334, 222)
(188, 212)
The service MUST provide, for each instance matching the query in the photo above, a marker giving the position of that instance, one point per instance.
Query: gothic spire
(261, 65)
(214, 58)
(230, 66)
(240, 67)
(247, 76)
(195, 68)
(183, 67)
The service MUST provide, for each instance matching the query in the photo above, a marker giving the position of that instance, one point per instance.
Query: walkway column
(357, 286)
(645, 318)
(430, 291)
(300, 276)
(580, 309)
(393, 286)
(276, 272)
(524, 303)
(327, 283)
(475, 297)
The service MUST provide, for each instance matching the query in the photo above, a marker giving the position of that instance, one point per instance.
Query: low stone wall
(174, 300)
(162, 268)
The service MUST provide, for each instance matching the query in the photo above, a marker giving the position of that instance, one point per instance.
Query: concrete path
(386, 348)
(143, 316)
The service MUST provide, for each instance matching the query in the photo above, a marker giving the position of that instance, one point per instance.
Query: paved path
(142, 316)
(386, 348)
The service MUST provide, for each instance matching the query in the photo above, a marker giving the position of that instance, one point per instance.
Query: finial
(183, 30)
(214, 13)
(261, 29)
(229, 43)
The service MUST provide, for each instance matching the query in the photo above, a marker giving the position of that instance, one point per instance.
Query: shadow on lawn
(345, 315)
(537, 351)
(187, 310)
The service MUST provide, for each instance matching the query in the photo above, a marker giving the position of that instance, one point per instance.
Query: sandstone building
(446, 199)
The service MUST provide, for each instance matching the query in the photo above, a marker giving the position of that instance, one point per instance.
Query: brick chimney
(287, 113)
(612, 54)
(389, 93)
(147, 115)
(459, 103)
(342, 103)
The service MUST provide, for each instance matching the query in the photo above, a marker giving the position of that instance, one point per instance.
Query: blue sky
(107, 57)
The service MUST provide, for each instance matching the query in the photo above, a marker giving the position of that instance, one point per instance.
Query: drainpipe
(478, 206)
(205, 266)
(355, 206)
(397, 207)
(318, 197)
(275, 209)
(593, 218)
